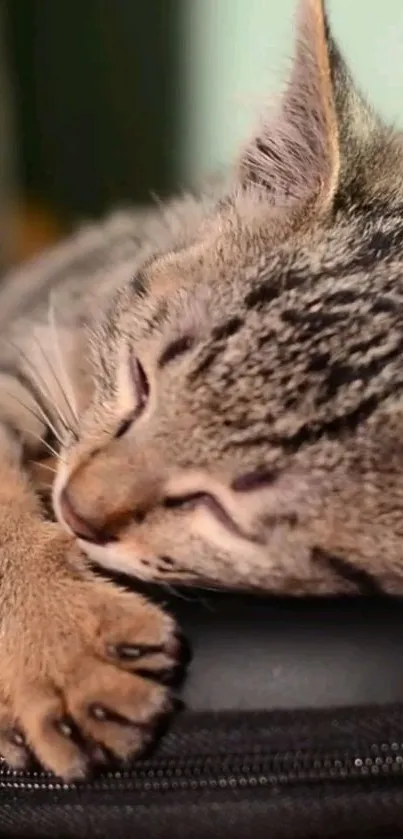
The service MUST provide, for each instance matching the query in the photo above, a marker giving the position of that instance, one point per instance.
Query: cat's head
(234, 374)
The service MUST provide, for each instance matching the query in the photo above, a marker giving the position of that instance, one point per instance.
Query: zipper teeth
(231, 772)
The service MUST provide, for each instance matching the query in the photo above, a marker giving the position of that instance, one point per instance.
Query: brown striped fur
(223, 379)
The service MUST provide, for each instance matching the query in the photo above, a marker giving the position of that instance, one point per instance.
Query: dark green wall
(95, 91)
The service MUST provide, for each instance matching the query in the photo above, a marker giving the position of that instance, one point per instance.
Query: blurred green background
(109, 101)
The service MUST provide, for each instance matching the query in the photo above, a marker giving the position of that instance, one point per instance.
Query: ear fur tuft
(295, 157)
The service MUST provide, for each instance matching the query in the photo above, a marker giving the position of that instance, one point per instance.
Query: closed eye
(258, 479)
(141, 393)
(125, 425)
(188, 501)
(209, 502)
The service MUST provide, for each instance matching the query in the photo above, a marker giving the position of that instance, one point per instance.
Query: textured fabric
(334, 813)
(280, 775)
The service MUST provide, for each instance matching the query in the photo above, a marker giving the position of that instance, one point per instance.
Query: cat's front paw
(85, 677)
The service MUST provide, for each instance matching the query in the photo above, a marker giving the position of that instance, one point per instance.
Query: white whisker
(41, 384)
(45, 466)
(174, 591)
(44, 443)
(68, 388)
(56, 407)
(51, 450)
(41, 416)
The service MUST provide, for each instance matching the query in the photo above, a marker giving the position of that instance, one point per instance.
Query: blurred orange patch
(33, 228)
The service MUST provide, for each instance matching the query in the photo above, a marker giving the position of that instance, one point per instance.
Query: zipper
(235, 772)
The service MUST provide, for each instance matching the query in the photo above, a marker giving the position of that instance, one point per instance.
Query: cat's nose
(81, 528)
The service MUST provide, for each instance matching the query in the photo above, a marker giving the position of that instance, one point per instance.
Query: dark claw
(129, 652)
(94, 753)
(98, 712)
(69, 729)
(17, 738)
(65, 728)
(179, 649)
(161, 677)
(178, 705)
(98, 755)
(102, 714)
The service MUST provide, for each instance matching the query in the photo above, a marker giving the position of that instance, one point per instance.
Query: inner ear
(295, 156)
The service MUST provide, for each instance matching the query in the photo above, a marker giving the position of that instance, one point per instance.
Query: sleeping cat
(220, 383)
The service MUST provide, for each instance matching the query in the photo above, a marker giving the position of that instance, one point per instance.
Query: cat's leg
(75, 650)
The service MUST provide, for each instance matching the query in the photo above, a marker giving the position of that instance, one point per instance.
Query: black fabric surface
(264, 654)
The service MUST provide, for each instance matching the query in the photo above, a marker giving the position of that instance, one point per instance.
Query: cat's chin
(113, 558)
(114, 562)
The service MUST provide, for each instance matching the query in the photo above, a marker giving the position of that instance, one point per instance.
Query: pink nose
(80, 527)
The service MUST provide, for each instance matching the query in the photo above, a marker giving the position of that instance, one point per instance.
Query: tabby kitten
(222, 380)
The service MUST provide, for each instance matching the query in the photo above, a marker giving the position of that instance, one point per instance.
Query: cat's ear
(296, 156)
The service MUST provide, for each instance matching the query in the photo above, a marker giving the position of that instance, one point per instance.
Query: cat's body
(223, 378)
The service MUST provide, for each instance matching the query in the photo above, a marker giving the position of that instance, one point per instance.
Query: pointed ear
(295, 157)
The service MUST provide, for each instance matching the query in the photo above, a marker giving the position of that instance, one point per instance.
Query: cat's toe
(13, 747)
